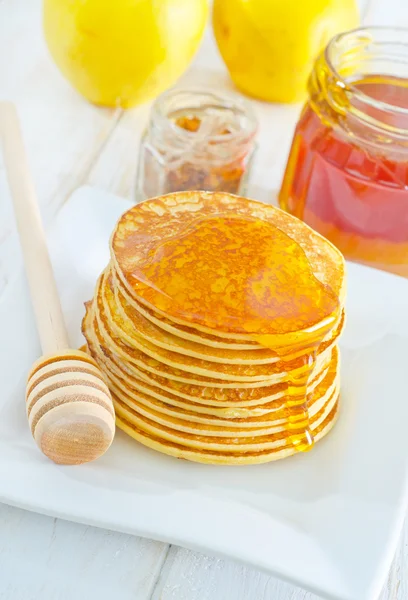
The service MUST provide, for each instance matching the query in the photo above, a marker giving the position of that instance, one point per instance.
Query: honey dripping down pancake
(218, 314)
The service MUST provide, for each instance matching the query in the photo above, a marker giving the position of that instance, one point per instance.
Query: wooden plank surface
(71, 143)
(192, 576)
(49, 559)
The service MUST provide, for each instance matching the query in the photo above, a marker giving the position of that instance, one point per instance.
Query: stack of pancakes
(216, 325)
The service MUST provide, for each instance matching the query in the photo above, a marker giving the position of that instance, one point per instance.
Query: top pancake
(228, 266)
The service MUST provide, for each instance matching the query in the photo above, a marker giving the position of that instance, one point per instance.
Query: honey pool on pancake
(241, 274)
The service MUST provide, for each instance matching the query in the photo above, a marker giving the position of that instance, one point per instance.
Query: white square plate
(328, 520)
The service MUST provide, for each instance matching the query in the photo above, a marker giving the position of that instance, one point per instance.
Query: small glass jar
(347, 172)
(196, 140)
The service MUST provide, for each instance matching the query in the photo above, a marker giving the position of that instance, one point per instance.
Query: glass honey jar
(347, 172)
(196, 140)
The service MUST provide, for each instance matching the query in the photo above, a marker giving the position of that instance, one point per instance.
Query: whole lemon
(123, 52)
(269, 46)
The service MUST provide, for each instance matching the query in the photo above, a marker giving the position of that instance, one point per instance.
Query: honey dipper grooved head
(69, 408)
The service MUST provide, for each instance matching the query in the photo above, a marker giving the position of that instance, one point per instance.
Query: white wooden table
(71, 143)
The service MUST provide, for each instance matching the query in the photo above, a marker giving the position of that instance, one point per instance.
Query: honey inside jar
(189, 123)
(347, 173)
(193, 123)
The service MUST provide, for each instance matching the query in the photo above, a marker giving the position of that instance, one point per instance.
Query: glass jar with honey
(347, 172)
(196, 140)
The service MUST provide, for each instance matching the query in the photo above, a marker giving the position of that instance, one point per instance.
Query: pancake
(215, 325)
(228, 371)
(130, 324)
(177, 368)
(229, 406)
(282, 449)
(182, 331)
(138, 326)
(146, 228)
(190, 421)
(201, 440)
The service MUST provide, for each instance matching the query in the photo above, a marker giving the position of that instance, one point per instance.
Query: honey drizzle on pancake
(241, 274)
(236, 274)
(296, 401)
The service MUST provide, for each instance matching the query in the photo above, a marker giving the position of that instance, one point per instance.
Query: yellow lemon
(269, 45)
(123, 52)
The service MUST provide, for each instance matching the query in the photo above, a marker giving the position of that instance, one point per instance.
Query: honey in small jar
(347, 173)
(196, 140)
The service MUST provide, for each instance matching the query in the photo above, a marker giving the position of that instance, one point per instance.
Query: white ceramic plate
(328, 520)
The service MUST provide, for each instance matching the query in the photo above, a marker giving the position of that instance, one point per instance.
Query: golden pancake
(218, 443)
(183, 276)
(176, 366)
(275, 420)
(296, 341)
(210, 404)
(230, 372)
(182, 331)
(129, 324)
(216, 458)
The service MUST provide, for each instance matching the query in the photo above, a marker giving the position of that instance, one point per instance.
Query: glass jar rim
(159, 115)
(386, 38)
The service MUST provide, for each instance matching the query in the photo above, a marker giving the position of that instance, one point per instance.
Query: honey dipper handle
(43, 290)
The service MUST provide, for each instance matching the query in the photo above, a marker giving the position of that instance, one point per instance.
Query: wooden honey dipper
(68, 404)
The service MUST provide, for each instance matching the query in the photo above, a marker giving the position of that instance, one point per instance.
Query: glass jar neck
(207, 124)
(359, 84)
